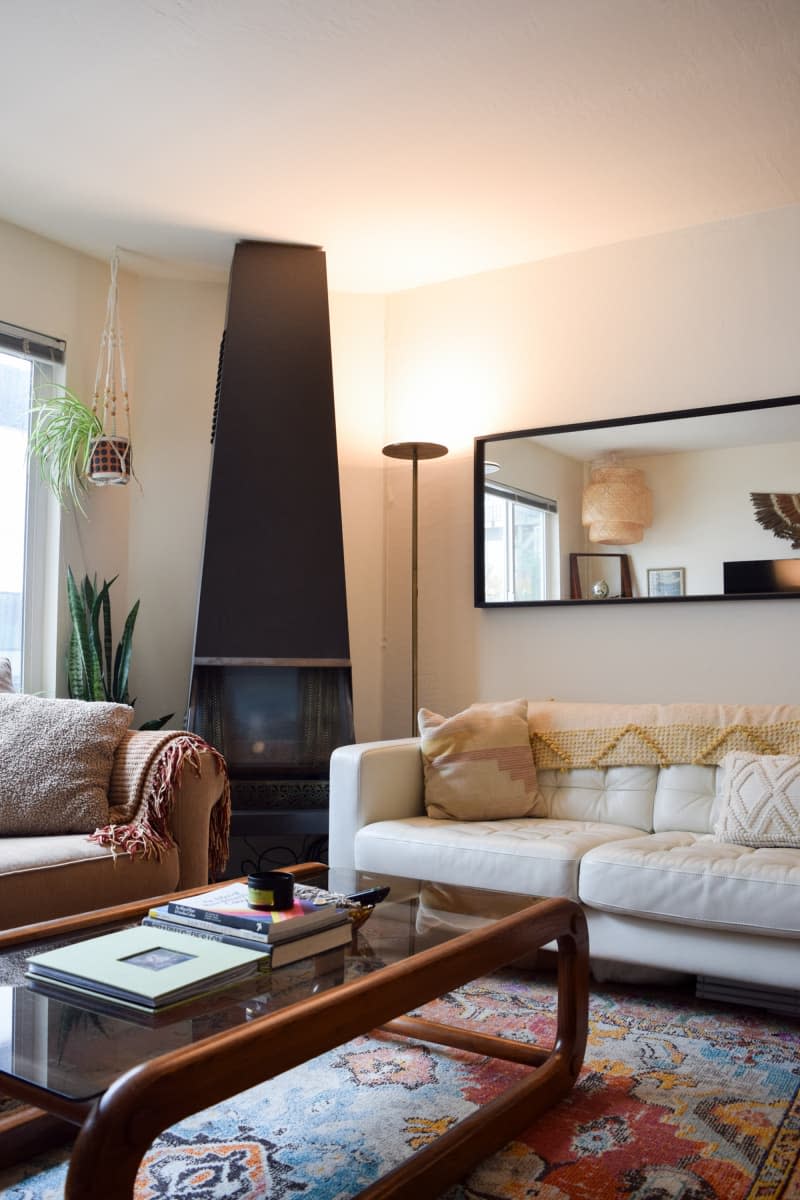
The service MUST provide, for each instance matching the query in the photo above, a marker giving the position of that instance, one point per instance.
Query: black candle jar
(270, 890)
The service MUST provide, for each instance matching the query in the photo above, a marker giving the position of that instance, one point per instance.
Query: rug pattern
(678, 1100)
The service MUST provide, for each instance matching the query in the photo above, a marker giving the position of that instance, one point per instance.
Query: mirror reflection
(700, 504)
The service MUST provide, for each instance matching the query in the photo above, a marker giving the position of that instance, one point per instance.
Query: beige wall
(703, 316)
(49, 288)
(357, 338)
(179, 328)
(151, 535)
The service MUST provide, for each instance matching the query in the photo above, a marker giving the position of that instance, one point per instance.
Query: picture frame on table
(666, 581)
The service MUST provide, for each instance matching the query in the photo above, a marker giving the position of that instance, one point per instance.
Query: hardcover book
(148, 967)
(316, 942)
(228, 906)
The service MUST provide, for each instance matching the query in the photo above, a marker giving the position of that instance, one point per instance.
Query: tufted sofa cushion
(531, 855)
(691, 878)
(610, 795)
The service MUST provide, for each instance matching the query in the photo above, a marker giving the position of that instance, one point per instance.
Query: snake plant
(61, 439)
(94, 670)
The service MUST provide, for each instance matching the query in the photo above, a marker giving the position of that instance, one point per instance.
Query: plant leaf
(107, 645)
(122, 660)
(93, 681)
(157, 722)
(61, 439)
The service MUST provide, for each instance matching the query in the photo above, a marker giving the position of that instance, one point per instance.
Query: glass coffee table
(123, 1080)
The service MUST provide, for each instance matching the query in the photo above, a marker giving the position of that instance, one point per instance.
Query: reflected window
(519, 531)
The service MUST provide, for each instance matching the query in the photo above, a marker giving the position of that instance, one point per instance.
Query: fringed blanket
(147, 768)
(566, 736)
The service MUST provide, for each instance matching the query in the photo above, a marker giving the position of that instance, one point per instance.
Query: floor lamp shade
(414, 452)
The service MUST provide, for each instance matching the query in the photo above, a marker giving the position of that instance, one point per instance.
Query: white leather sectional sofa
(633, 841)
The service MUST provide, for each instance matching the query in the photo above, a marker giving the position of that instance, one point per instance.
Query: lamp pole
(416, 452)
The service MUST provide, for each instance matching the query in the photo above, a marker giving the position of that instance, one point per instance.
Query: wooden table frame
(117, 1129)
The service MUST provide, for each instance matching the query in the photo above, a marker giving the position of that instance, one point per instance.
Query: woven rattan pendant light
(617, 504)
(110, 460)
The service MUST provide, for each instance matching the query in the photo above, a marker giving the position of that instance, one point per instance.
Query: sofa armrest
(371, 781)
(170, 787)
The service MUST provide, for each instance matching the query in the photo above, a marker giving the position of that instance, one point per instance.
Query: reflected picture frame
(666, 581)
(624, 582)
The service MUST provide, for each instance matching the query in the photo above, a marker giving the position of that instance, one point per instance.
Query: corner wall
(704, 316)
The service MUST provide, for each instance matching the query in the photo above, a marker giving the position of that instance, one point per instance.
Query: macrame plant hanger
(111, 453)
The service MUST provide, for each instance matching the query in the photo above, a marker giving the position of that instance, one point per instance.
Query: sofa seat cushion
(44, 877)
(691, 878)
(534, 856)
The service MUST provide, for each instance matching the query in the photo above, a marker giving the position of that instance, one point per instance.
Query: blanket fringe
(148, 836)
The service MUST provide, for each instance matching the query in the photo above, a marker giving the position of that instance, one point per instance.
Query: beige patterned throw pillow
(478, 764)
(55, 763)
(760, 800)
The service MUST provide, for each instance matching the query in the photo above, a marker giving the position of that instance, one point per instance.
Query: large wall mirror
(702, 504)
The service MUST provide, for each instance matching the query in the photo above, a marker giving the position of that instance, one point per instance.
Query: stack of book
(142, 969)
(310, 926)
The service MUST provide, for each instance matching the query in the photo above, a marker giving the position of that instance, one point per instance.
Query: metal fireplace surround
(271, 680)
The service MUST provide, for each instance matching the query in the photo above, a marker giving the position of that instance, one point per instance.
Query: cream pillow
(759, 801)
(6, 684)
(55, 763)
(478, 764)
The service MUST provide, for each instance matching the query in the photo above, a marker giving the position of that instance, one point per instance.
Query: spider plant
(61, 439)
(94, 670)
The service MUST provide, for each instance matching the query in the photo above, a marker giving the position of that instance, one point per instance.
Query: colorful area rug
(678, 1100)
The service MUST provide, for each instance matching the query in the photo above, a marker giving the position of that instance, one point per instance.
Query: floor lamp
(415, 452)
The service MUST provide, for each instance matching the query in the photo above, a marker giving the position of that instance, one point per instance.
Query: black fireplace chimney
(271, 682)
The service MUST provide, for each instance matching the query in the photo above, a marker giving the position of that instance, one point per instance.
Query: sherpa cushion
(478, 764)
(6, 684)
(760, 800)
(55, 763)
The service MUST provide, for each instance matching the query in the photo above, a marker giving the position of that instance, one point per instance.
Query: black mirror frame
(642, 419)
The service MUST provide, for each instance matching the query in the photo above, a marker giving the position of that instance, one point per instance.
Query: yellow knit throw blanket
(566, 736)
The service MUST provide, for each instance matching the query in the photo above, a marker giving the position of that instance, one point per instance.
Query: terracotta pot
(110, 460)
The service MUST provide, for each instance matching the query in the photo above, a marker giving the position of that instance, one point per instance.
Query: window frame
(42, 523)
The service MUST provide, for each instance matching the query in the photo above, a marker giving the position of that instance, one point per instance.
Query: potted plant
(93, 671)
(62, 438)
(110, 459)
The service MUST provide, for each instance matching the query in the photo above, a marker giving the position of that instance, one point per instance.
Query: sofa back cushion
(55, 763)
(685, 798)
(611, 795)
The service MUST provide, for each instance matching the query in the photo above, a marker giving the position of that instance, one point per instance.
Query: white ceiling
(415, 140)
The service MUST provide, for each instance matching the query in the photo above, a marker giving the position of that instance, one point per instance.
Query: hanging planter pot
(110, 460)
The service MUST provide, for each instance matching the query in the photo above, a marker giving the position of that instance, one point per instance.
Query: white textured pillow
(760, 800)
(55, 763)
(6, 684)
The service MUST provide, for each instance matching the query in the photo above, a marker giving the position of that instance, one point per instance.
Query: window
(27, 360)
(520, 530)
